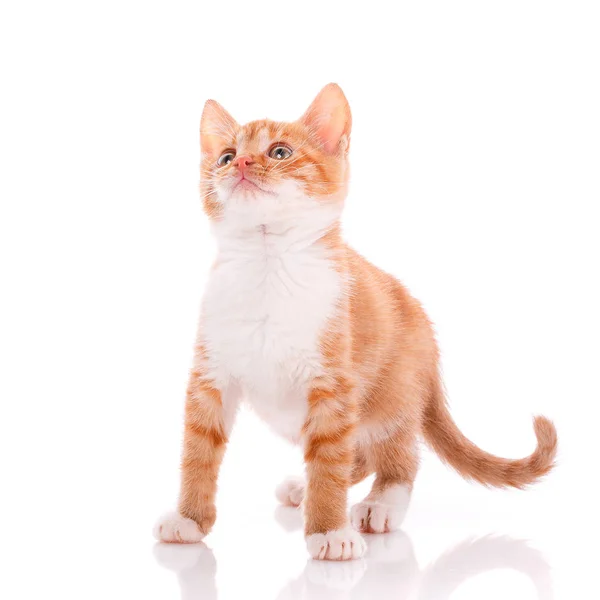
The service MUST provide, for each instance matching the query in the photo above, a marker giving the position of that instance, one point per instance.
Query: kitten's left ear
(330, 119)
(217, 128)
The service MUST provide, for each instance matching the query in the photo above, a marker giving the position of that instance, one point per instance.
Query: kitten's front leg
(203, 449)
(329, 461)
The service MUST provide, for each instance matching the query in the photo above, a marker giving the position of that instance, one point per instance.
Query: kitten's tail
(442, 434)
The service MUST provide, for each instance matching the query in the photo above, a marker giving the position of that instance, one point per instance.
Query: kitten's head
(267, 172)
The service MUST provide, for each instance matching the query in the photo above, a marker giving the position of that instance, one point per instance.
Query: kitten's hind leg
(383, 510)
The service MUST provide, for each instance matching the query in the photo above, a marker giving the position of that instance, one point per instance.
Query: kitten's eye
(280, 152)
(226, 158)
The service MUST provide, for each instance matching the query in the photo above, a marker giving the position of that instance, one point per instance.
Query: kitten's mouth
(247, 184)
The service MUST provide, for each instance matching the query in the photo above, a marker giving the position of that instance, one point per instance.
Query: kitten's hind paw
(291, 491)
(383, 512)
(173, 528)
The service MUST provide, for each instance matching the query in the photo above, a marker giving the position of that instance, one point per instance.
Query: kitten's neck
(291, 234)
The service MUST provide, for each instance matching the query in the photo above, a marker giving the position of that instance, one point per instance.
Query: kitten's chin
(248, 211)
(248, 206)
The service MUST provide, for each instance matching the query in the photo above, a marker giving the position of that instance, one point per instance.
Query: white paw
(342, 544)
(291, 491)
(383, 513)
(174, 529)
(370, 517)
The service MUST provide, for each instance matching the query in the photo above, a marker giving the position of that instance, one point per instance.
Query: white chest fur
(265, 310)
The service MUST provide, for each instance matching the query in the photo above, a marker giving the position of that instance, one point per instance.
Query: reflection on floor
(390, 567)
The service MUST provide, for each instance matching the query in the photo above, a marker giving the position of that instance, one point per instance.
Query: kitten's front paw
(342, 544)
(173, 528)
(291, 491)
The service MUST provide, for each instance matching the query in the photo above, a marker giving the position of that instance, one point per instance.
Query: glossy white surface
(82, 527)
(474, 179)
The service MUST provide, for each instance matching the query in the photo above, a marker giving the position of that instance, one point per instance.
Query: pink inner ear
(329, 117)
(217, 127)
(330, 132)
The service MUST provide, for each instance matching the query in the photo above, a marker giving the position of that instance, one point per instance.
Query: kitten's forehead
(257, 136)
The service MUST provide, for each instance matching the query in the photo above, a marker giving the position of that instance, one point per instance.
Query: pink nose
(241, 162)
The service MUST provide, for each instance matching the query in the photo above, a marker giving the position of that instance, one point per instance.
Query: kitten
(329, 350)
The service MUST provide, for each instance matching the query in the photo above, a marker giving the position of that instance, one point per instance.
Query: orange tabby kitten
(332, 352)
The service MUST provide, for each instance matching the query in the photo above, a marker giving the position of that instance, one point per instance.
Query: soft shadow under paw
(194, 565)
(335, 575)
(180, 557)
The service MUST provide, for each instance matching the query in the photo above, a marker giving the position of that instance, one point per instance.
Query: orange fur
(203, 449)
(381, 387)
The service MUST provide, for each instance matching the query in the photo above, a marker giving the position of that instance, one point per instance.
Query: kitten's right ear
(217, 128)
(329, 118)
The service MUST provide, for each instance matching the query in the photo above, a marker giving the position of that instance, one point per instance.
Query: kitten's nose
(241, 162)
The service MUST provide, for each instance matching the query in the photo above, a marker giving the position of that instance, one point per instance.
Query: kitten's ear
(217, 127)
(329, 118)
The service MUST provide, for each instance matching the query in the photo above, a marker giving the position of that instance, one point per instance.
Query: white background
(475, 156)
